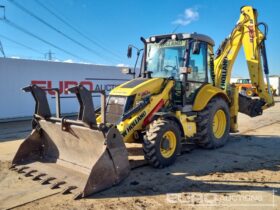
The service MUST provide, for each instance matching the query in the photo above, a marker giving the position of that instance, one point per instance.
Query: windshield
(164, 59)
(243, 81)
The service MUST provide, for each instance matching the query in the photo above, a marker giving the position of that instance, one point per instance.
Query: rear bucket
(70, 154)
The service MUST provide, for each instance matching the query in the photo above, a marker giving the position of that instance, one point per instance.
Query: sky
(99, 31)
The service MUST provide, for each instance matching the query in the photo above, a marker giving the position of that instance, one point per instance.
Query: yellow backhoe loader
(183, 94)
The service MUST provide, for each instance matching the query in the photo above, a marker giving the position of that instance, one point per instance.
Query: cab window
(198, 64)
(197, 75)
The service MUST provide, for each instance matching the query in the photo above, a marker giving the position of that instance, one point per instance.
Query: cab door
(197, 69)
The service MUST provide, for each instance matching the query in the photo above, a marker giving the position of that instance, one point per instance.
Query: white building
(275, 83)
(18, 73)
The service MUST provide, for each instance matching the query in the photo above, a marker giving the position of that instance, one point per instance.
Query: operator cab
(183, 57)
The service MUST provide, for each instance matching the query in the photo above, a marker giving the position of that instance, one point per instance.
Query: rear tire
(213, 125)
(161, 143)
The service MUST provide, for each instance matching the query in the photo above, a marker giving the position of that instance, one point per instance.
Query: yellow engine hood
(139, 86)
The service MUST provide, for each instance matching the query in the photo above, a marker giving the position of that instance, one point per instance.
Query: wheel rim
(168, 138)
(249, 92)
(219, 124)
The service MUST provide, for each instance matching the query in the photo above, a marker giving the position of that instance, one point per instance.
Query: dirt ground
(242, 175)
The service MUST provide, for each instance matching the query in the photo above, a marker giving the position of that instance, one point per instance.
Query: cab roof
(180, 36)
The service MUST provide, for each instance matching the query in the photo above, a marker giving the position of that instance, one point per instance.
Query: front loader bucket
(78, 156)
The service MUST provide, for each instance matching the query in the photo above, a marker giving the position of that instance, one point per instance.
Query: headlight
(126, 70)
(174, 36)
(153, 39)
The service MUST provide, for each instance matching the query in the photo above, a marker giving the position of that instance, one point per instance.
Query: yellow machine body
(129, 127)
(177, 99)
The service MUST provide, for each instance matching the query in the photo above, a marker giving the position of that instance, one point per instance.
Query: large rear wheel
(213, 124)
(161, 143)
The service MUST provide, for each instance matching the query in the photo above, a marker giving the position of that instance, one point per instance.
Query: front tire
(161, 143)
(213, 124)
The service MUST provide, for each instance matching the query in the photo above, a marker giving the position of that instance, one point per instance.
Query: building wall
(17, 73)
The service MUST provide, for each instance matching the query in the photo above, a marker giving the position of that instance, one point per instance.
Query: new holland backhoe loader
(182, 95)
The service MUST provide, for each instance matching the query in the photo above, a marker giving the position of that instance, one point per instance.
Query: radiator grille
(115, 108)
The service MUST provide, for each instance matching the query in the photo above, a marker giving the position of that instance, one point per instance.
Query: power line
(176, 27)
(39, 38)
(77, 30)
(54, 28)
(18, 43)
(117, 53)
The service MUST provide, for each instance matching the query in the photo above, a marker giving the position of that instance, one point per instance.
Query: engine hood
(140, 86)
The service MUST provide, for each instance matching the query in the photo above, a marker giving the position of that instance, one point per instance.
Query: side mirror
(126, 70)
(129, 51)
(196, 48)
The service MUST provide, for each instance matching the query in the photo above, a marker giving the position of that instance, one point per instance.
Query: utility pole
(49, 55)
(2, 50)
(2, 17)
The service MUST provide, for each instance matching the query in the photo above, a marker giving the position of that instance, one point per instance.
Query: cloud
(68, 61)
(121, 65)
(190, 15)
(83, 62)
(15, 57)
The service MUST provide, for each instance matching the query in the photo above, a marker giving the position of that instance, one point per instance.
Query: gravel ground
(242, 175)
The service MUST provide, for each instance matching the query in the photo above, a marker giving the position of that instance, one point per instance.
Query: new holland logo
(134, 123)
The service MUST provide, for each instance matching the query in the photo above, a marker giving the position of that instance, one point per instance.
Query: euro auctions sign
(18, 73)
(64, 85)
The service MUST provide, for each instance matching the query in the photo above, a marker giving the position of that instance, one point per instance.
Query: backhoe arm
(247, 34)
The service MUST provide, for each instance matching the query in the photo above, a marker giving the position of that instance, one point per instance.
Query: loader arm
(246, 33)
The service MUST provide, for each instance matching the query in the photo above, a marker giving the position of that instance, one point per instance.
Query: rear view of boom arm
(247, 34)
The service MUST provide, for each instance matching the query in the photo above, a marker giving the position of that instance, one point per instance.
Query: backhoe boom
(246, 33)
